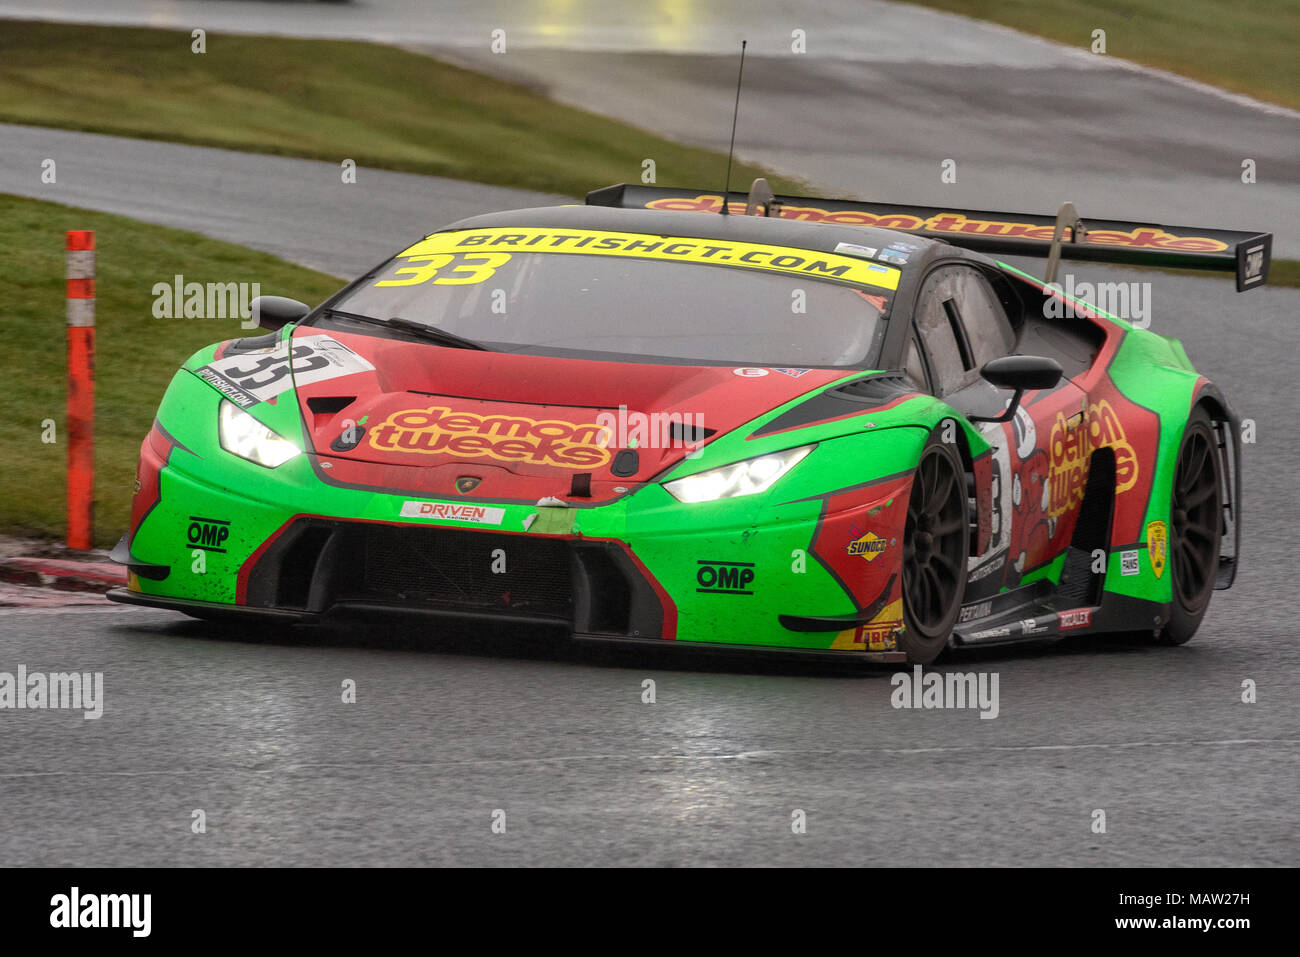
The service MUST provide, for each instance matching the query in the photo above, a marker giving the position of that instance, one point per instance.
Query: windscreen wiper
(432, 333)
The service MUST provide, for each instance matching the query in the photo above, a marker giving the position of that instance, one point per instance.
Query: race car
(746, 421)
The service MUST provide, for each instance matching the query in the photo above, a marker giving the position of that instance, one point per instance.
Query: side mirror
(1021, 373)
(275, 312)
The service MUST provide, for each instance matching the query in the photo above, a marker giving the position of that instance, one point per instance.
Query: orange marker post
(81, 388)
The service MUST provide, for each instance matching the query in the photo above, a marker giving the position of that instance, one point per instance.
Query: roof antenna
(726, 189)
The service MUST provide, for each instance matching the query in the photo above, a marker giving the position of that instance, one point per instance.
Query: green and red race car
(826, 425)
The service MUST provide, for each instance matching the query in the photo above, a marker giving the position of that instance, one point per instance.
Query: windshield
(575, 293)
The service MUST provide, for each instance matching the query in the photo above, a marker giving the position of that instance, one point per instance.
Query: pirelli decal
(780, 259)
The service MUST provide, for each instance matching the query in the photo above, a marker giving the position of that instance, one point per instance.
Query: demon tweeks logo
(1070, 449)
(75, 909)
(509, 438)
(1140, 237)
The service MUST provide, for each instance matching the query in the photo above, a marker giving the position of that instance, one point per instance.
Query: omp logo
(454, 512)
(868, 546)
(725, 578)
(1143, 237)
(508, 438)
(209, 534)
(1070, 449)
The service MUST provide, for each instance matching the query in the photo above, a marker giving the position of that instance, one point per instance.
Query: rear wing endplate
(1063, 236)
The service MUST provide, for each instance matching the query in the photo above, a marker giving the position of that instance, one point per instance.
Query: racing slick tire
(936, 543)
(1195, 528)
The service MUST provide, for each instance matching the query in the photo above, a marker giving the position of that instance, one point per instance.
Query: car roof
(822, 237)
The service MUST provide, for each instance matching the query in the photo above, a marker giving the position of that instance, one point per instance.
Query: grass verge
(330, 100)
(136, 353)
(1248, 46)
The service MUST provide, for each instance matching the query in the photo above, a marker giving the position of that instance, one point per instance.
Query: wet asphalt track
(449, 726)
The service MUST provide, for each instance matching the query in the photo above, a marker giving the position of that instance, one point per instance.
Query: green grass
(136, 353)
(1247, 46)
(330, 100)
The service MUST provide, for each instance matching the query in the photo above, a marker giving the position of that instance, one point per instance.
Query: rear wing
(1063, 236)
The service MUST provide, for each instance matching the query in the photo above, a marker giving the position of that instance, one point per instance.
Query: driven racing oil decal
(454, 512)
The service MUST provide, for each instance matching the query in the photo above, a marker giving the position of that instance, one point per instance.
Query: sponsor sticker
(493, 247)
(892, 256)
(1075, 618)
(987, 569)
(209, 534)
(454, 512)
(1157, 546)
(505, 437)
(971, 612)
(247, 379)
(793, 373)
(1128, 562)
(1140, 237)
(853, 249)
(869, 546)
(725, 578)
(878, 636)
(749, 372)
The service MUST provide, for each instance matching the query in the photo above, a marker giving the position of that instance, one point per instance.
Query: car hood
(397, 415)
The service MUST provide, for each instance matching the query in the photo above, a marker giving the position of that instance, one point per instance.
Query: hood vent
(329, 404)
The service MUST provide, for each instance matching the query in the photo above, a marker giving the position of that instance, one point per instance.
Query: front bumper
(212, 533)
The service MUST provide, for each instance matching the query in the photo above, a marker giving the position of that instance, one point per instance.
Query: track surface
(449, 727)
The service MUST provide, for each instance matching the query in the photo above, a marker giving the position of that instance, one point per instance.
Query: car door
(960, 323)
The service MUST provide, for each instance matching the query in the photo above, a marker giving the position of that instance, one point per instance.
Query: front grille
(317, 564)
(451, 567)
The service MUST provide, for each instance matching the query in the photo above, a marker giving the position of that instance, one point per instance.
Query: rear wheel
(936, 542)
(1196, 528)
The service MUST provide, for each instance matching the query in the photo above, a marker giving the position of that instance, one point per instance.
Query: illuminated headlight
(243, 435)
(740, 478)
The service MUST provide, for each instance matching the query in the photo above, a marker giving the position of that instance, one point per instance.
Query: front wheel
(936, 542)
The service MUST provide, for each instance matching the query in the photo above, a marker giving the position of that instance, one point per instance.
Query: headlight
(243, 435)
(740, 478)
